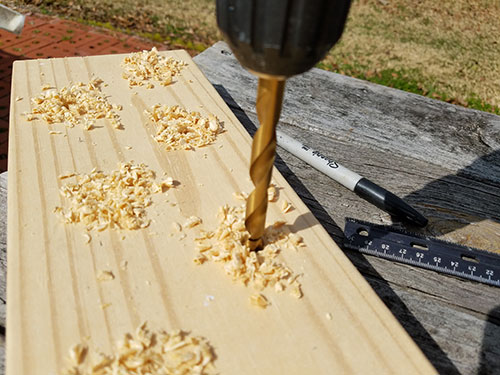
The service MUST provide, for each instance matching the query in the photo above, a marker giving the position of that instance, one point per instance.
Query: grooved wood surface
(441, 158)
(55, 299)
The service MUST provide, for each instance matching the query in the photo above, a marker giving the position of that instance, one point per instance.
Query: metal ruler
(420, 251)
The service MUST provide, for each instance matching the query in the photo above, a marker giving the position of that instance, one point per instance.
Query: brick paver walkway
(44, 37)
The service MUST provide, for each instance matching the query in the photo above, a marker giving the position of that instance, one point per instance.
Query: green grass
(447, 50)
(477, 103)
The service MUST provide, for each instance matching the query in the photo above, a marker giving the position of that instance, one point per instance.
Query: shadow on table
(474, 192)
(489, 363)
(418, 333)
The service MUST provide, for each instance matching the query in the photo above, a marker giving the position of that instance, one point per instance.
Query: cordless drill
(275, 39)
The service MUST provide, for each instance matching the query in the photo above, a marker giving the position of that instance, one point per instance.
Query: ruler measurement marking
(428, 253)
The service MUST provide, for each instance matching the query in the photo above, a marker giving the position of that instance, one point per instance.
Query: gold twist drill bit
(269, 100)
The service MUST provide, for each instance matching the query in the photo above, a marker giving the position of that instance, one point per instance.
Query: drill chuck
(281, 37)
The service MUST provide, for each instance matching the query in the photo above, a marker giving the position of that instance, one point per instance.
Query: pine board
(55, 300)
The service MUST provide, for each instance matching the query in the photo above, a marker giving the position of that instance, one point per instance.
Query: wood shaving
(296, 290)
(286, 207)
(241, 196)
(280, 223)
(201, 247)
(329, 316)
(116, 200)
(52, 132)
(200, 259)
(18, 98)
(179, 129)
(279, 287)
(228, 245)
(66, 175)
(167, 184)
(140, 67)
(105, 276)
(177, 227)
(147, 352)
(192, 222)
(87, 237)
(78, 104)
(272, 193)
(78, 353)
(295, 239)
(259, 300)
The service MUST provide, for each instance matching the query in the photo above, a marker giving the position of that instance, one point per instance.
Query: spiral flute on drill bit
(269, 99)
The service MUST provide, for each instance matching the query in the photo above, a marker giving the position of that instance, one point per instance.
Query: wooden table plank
(56, 301)
(441, 158)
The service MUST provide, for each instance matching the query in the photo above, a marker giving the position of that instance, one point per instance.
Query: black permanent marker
(363, 187)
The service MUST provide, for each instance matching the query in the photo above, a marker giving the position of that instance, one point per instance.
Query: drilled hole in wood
(419, 246)
(468, 258)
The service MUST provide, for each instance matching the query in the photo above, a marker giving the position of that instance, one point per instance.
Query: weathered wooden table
(442, 159)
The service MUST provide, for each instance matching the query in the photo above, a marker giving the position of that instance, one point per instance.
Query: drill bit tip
(255, 244)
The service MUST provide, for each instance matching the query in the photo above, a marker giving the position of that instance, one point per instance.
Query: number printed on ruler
(423, 252)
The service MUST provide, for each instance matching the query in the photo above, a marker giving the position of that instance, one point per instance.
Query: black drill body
(281, 37)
